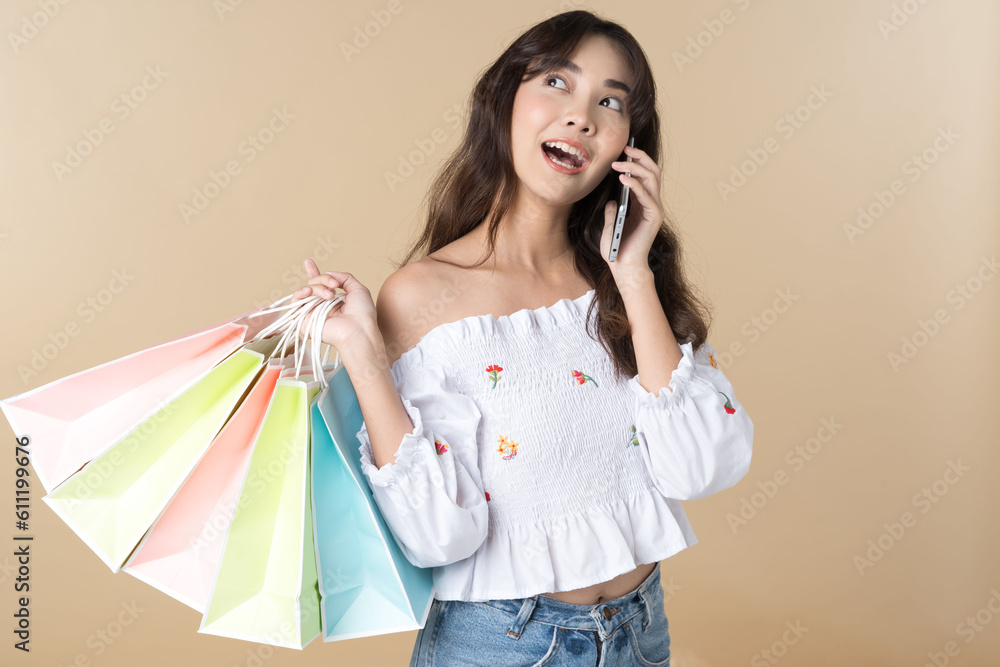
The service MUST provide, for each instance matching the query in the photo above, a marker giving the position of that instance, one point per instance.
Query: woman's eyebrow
(571, 66)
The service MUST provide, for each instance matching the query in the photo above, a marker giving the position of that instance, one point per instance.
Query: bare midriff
(607, 590)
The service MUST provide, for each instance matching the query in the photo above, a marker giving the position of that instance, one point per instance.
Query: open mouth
(564, 155)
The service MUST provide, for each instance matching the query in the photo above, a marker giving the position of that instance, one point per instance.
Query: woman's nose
(578, 117)
(575, 122)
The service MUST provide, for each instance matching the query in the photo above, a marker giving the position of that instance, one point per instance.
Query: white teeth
(560, 162)
(563, 146)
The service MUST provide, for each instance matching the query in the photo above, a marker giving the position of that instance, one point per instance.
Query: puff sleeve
(696, 440)
(432, 496)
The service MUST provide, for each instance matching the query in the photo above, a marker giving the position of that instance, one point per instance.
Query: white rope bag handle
(312, 311)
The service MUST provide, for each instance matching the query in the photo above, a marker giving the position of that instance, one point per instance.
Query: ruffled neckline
(485, 326)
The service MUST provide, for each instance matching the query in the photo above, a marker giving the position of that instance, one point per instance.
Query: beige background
(320, 189)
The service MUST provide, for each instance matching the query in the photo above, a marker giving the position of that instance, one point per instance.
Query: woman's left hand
(645, 214)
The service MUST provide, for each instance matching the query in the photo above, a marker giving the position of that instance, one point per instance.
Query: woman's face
(581, 106)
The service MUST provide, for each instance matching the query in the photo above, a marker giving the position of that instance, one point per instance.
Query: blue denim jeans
(539, 630)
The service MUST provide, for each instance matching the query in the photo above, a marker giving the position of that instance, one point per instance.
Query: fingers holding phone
(616, 234)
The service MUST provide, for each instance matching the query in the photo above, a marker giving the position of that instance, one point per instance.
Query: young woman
(534, 412)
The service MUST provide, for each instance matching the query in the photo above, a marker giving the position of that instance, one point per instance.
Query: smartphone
(622, 212)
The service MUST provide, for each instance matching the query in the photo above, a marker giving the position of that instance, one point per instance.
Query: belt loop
(647, 613)
(527, 606)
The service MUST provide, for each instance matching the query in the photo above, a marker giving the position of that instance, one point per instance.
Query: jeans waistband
(604, 618)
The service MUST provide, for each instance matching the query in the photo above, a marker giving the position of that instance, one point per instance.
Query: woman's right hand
(350, 322)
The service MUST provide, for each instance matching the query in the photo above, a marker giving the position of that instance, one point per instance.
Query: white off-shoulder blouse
(532, 469)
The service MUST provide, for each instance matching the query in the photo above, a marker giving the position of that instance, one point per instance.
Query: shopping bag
(265, 587)
(72, 419)
(172, 471)
(367, 586)
(180, 553)
(112, 501)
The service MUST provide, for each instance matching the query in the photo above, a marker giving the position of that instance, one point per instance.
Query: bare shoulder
(405, 302)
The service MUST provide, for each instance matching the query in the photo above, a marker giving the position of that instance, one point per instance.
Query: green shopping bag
(114, 499)
(265, 587)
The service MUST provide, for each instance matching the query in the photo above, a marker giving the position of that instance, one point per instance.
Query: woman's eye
(621, 105)
(553, 78)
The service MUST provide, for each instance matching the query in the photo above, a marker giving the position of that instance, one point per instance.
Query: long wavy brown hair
(478, 180)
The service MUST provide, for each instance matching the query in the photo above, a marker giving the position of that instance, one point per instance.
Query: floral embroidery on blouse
(507, 448)
(729, 406)
(487, 495)
(581, 378)
(494, 371)
(440, 447)
(634, 440)
(711, 360)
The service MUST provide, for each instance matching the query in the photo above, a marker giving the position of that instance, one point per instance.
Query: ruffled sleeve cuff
(408, 454)
(697, 439)
(678, 385)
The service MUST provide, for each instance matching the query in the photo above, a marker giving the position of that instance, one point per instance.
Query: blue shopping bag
(367, 586)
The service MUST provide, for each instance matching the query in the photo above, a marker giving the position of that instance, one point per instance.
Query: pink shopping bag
(72, 419)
